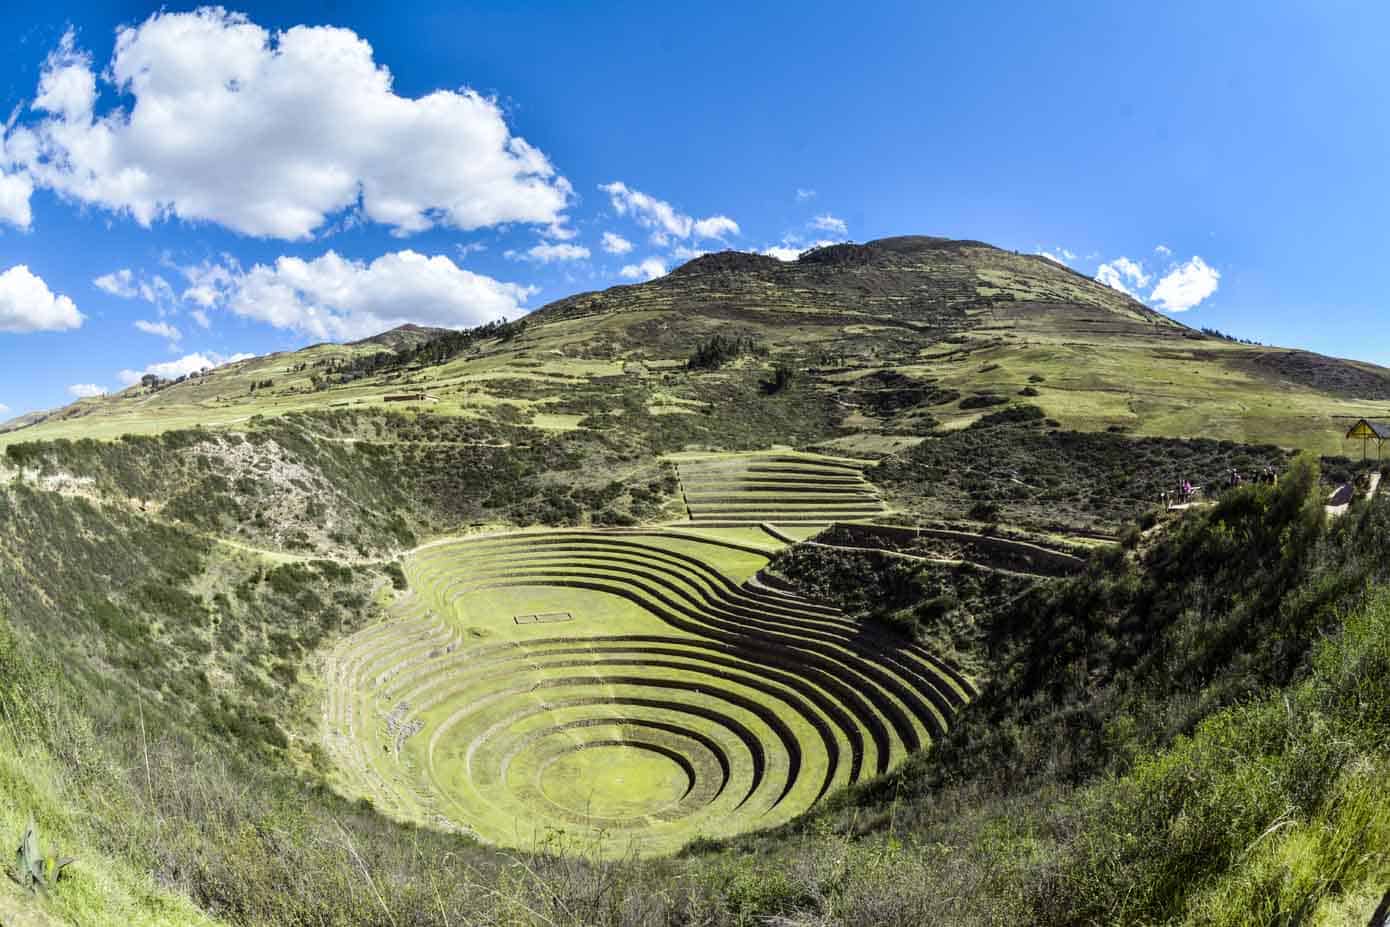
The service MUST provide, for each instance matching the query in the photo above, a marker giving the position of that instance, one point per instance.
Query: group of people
(1186, 492)
(1266, 477)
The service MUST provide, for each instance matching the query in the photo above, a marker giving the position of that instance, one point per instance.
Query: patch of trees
(431, 353)
(1217, 333)
(155, 382)
(782, 377)
(718, 350)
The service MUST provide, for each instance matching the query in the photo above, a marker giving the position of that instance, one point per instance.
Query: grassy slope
(959, 317)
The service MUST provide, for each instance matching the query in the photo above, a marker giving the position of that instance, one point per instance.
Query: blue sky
(181, 187)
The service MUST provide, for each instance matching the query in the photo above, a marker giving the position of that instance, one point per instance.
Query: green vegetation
(1014, 467)
(708, 706)
(761, 593)
(720, 350)
(777, 487)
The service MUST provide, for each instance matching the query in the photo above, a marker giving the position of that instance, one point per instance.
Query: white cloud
(558, 230)
(1185, 286)
(1125, 275)
(15, 190)
(334, 297)
(126, 284)
(208, 282)
(1163, 251)
(649, 269)
(1061, 256)
(665, 221)
(189, 363)
(802, 194)
(682, 253)
(28, 305)
(784, 252)
(616, 244)
(3, 408)
(271, 135)
(715, 227)
(829, 223)
(201, 318)
(86, 390)
(790, 249)
(118, 283)
(159, 329)
(547, 253)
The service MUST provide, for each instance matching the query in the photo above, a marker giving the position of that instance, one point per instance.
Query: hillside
(892, 340)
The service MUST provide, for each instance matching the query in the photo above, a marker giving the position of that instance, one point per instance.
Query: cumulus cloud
(332, 297)
(803, 194)
(547, 253)
(86, 390)
(649, 269)
(28, 305)
(189, 363)
(715, 227)
(829, 223)
(118, 283)
(1185, 286)
(3, 408)
(616, 244)
(159, 329)
(1123, 274)
(790, 249)
(663, 219)
(1163, 251)
(271, 135)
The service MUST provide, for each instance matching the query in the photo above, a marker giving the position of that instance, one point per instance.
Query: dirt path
(1337, 511)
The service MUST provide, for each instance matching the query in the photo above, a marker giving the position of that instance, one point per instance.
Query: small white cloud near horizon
(3, 408)
(1124, 274)
(829, 223)
(1185, 286)
(28, 305)
(189, 363)
(649, 269)
(1163, 251)
(616, 244)
(791, 249)
(272, 134)
(803, 194)
(159, 329)
(86, 391)
(663, 219)
(1060, 255)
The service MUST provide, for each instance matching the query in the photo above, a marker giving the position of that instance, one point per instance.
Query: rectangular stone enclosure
(544, 618)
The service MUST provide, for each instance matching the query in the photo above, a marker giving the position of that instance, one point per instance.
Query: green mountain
(962, 328)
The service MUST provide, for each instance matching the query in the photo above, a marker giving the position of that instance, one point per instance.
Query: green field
(626, 689)
(778, 487)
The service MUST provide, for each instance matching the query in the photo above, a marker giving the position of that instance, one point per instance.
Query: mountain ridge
(975, 327)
